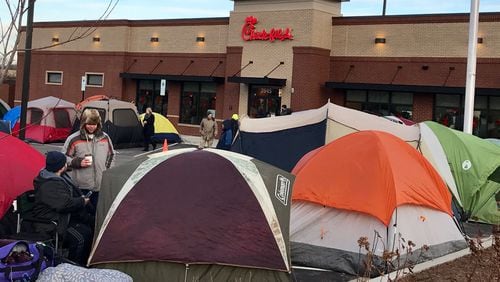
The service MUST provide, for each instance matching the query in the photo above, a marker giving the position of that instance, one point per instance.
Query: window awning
(258, 80)
(171, 77)
(409, 88)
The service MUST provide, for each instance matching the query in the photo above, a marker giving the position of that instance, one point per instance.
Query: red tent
(20, 164)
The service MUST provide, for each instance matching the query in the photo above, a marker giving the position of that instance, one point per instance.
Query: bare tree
(10, 35)
(11, 31)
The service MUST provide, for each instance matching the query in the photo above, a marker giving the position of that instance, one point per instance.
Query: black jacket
(149, 126)
(57, 199)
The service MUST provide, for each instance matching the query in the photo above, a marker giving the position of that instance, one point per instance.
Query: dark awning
(171, 77)
(257, 80)
(409, 88)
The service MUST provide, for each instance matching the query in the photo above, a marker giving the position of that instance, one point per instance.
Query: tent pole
(186, 273)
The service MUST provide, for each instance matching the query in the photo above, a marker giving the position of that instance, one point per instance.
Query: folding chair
(22, 207)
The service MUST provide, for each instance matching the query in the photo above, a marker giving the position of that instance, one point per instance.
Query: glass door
(263, 101)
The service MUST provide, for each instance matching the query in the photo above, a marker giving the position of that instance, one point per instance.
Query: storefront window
(148, 95)
(382, 103)
(263, 101)
(355, 99)
(449, 111)
(493, 118)
(196, 100)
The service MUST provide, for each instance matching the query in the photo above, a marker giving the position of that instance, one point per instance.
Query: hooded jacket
(100, 147)
(57, 199)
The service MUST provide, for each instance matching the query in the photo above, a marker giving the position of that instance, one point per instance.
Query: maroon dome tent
(20, 164)
(200, 215)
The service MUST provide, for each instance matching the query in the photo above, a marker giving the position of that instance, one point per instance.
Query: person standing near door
(148, 128)
(208, 131)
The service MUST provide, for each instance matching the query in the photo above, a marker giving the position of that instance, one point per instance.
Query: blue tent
(282, 140)
(13, 115)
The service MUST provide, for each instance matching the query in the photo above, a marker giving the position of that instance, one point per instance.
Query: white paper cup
(89, 159)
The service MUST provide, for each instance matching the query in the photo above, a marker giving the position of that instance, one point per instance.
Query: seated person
(285, 111)
(58, 199)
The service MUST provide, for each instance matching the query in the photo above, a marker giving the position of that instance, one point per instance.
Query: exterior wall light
(96, 39)
(480, 40)
(379, 40)
(155, 39)
(200, 39)
(55, 39)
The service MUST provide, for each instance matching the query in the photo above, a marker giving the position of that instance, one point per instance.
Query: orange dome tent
(367, 182)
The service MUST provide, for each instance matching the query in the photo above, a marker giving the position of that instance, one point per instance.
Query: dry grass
(483, 264)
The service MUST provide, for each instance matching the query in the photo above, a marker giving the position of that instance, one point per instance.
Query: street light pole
(470, 83)
(26, 69)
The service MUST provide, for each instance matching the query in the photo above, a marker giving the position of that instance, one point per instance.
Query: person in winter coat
(148, 129)
(89, 152)
(235, 125)
(226, 137)
(208, 131)
(58, 199)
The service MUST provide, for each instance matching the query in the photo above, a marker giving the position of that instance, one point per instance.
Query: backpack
(21, 261)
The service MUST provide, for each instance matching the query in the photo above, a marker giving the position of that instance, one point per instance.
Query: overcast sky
(65, 10)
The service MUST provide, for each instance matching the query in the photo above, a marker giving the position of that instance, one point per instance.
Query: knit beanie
(54, 161)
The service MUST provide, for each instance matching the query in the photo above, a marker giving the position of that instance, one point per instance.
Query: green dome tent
(475, 166)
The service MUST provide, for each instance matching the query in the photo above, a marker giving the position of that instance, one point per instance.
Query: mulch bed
(481, 265)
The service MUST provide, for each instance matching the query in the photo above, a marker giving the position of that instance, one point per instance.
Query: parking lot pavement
(125, 155)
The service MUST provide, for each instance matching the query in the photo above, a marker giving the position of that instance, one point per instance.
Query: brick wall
(310, 71)
(423, 104)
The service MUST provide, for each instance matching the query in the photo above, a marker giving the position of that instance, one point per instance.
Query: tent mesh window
(36, 116)
(125, 118)
(61, 118)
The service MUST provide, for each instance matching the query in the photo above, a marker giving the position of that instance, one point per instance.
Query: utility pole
(470, 83)
(383, 8)
(26, 69)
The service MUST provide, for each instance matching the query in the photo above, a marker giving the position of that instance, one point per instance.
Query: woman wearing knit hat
(89, 152)
(58, 199)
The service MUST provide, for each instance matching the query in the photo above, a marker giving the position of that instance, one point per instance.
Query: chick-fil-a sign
(248, 32)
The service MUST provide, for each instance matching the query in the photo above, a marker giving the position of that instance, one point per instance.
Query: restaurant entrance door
(263, 101)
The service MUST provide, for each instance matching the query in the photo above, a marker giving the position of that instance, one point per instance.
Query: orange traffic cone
(165, 145)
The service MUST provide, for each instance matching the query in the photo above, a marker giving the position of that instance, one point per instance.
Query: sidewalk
(195, 140)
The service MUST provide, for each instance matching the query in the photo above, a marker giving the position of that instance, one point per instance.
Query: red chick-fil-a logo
(248, 32)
